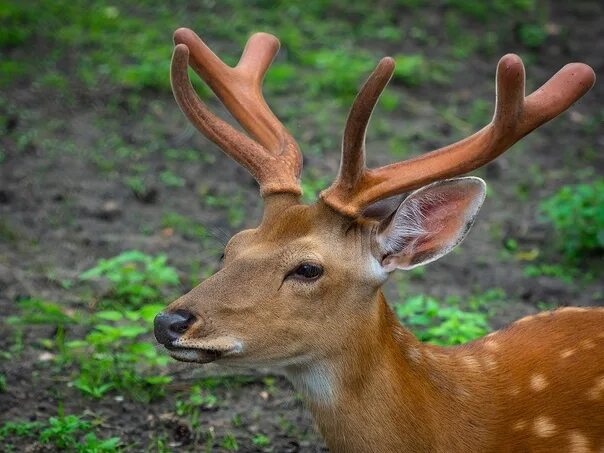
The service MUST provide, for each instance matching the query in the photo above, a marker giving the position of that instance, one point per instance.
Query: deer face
(283, 294)
(302, 285)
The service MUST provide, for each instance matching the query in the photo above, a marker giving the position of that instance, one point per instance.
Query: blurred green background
(111, 204)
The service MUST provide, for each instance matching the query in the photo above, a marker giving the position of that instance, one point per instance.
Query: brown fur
(537, 385)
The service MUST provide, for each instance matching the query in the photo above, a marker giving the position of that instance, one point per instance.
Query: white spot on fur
(491, 344)
(578, 442)
(519, 425)
(376, 269)
(414, 354)
(566, 353)
(544, 427)
(471, 362)
(597, 391)
(314, 382)
(538, 382)
(490, 362)
(587, 344)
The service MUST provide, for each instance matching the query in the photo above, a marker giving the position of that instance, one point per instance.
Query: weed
(565, 273)
(441, 324)
(137, 185)
(19, 429)
(64, 432)
(411, 70)
(260, 440)
(197, 400)
(338, 71)
(532, 35)
(170, 179)
(229, 442)
(236, 421)
(312, 184)
(60, 431)
(136, 278)
(577, 215)
(3, 385)
(38, 311)
(112, 357)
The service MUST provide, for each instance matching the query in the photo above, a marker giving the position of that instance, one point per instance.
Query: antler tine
(515, 116)
(274, 160)
(352, 164)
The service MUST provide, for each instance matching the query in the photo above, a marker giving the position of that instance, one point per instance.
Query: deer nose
(168, 327)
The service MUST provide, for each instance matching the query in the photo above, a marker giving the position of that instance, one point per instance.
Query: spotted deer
(302, 291)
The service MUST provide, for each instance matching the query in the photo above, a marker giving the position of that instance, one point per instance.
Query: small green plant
(411, 70)
(338, 71)
(171, 180)
(19, 429)
(136, 278)
(441, 324)
(532, 35)
(64, 432)
(198, 399)
(577, 215)
(229, 442)
(565, 273)
(61, 431)
(2, 383)
(260, 440)
(113, 357)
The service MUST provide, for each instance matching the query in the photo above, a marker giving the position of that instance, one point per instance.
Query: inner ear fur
(430, 222)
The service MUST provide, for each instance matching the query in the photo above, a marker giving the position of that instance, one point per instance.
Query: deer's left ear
(429, 223)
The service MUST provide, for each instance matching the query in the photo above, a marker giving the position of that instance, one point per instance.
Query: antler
(515, 116)
(274, 159)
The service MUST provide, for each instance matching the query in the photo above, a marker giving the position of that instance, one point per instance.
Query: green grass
(136, 278)
(63, 432)
(445, 323)
(576, 213)
(112, 356)
(141, 62)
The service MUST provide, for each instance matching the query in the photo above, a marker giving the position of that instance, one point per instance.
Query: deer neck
(384, 392)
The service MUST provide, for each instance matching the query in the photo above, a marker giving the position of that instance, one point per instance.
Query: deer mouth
(203, 351)
(197, 355)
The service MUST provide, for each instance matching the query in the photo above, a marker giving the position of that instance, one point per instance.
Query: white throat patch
(314, 381)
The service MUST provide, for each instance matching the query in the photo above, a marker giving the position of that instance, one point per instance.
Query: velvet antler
(515, 116)
(273, 158)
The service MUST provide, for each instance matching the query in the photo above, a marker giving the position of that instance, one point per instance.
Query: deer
(302, 292)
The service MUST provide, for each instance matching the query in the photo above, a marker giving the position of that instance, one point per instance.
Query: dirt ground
(60, 213)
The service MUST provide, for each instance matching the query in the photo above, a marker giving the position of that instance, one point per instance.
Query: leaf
(109, 315)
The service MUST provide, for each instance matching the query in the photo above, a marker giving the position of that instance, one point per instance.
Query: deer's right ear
(429, 223)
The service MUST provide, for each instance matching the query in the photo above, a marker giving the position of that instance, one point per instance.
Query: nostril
(168, 327)
(181, 326)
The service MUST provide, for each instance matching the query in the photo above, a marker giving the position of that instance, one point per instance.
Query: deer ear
(429, 223)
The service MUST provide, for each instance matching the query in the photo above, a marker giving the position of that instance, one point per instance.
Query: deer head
(305, 284)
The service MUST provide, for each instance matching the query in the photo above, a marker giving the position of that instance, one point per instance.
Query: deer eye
(307, 271)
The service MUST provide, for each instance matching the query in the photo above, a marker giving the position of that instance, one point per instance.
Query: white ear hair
(430, 222)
